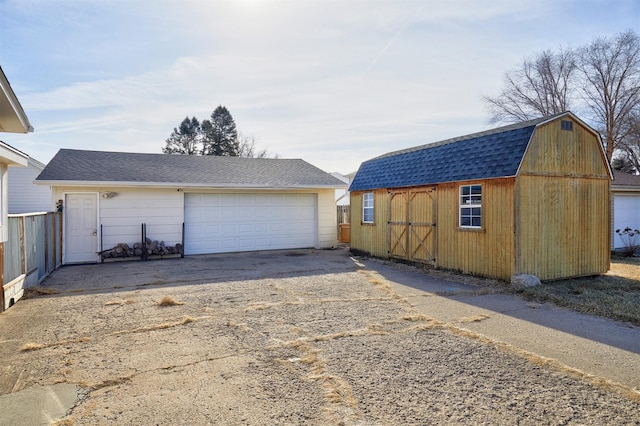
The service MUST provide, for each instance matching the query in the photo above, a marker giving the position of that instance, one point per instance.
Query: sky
(334, 82)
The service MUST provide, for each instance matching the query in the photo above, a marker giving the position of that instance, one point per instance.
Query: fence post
(23, 246)
(60, 229)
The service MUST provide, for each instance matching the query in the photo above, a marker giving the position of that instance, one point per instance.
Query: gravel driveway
(287, 337)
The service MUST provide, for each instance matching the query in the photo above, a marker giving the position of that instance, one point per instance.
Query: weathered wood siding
(563, 205)
(370, 238)
(489, 251)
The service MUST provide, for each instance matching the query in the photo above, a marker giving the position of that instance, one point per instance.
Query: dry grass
(120, 302)
(338, 394)
(36, 346)
(32, 347)
(475, 318)
(169, 301)
(614, 295)
(162, 326)
(67, 421)
(39, 291)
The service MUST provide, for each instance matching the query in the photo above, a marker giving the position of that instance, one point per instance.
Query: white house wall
(24, 195)
(4, 202)
(327, 219)
(122, 216)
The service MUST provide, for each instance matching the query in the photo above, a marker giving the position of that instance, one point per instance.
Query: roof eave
(180, 185)
(625, 188)
(434, 183)
(9, 102)
(12, 156)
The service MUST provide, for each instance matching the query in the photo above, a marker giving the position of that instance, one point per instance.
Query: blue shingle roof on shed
(491, 154)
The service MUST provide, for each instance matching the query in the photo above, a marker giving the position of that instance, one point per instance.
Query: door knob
(95, 232)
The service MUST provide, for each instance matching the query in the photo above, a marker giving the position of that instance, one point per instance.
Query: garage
(625, 190)
(627, 214)
(223, 222)
(210, 203)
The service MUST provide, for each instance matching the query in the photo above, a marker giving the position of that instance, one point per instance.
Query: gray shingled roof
(78, 166)
(622, 179)
(489, 154)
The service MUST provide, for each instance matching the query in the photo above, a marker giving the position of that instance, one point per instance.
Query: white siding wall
(24, 195)
(327, 219)
(4, 230)
(122, 216)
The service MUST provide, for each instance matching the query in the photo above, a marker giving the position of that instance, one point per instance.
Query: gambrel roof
(80, 167)
(493, 153)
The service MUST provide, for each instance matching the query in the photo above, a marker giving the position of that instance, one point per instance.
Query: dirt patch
(276, 339)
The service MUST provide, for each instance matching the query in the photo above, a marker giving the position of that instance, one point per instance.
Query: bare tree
(248, 148)
(628, 149)
(611, 89)
(543, 85)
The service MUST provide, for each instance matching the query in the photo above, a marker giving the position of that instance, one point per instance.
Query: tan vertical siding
(554, 151)
(489, 251)
(370, 238)
(563, 228)
(563, 204)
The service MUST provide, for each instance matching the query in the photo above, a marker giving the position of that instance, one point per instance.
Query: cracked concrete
(305, 337)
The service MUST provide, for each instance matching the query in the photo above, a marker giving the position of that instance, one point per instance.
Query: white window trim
(469, 203)
(368, 196)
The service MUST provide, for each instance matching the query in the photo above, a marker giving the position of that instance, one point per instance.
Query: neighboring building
(529, 198)
(13, 120)
(224, 204)
(625, 191)
(24, 195)
(342, 195)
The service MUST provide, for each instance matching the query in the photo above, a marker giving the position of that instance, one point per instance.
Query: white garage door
(626, 213)
(222, 223)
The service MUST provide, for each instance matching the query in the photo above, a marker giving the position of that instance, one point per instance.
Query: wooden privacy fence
(33, 250)
(344, 213)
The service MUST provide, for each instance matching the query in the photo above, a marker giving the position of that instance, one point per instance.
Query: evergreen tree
(185, 139)
(220, 134)
(622, 164)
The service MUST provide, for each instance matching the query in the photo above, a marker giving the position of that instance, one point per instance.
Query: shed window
(367, 207)
(566, 125)
(471, 206)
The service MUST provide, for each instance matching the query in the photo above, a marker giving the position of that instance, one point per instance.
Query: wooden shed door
(412, 225)
(398, 244)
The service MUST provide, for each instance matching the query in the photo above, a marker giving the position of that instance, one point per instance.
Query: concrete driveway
(304, 337)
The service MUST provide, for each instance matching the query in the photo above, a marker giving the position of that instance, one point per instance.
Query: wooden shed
(528, 198)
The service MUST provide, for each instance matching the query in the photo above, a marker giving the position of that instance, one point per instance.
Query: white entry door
(81, 226)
